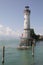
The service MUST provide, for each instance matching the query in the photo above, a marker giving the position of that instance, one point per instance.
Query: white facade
(26, 32)
(27, 21)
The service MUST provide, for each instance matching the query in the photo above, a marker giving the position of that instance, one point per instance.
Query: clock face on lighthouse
(26, 17)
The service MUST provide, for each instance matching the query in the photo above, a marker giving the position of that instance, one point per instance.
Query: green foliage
(33, 35)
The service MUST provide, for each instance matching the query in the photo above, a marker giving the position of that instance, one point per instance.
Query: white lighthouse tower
(25, 40)
(26, 33)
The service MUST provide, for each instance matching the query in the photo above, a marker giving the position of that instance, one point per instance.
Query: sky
(12, 16)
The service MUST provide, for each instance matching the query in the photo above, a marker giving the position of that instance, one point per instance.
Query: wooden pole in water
(33, 49)
(3, 54)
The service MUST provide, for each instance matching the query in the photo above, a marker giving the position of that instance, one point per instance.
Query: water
(13, 56)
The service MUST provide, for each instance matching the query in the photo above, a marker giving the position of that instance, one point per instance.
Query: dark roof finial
(26, 6)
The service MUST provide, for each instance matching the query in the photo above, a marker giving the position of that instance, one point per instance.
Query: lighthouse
(26, 33)
(25, 39)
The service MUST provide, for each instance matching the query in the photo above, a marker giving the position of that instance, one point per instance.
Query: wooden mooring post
(3, 55)
(33, 49)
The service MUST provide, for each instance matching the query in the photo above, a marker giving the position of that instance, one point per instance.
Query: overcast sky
(12, 16)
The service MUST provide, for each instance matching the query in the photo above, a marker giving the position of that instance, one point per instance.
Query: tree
(33, 35)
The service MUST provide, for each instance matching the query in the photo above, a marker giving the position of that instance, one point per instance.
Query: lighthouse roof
(26, 6)
(27, 9)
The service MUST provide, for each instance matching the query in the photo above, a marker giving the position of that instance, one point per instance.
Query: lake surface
(13, 56)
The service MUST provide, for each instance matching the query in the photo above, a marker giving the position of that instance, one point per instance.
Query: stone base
(25, 42)
(23, 47)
